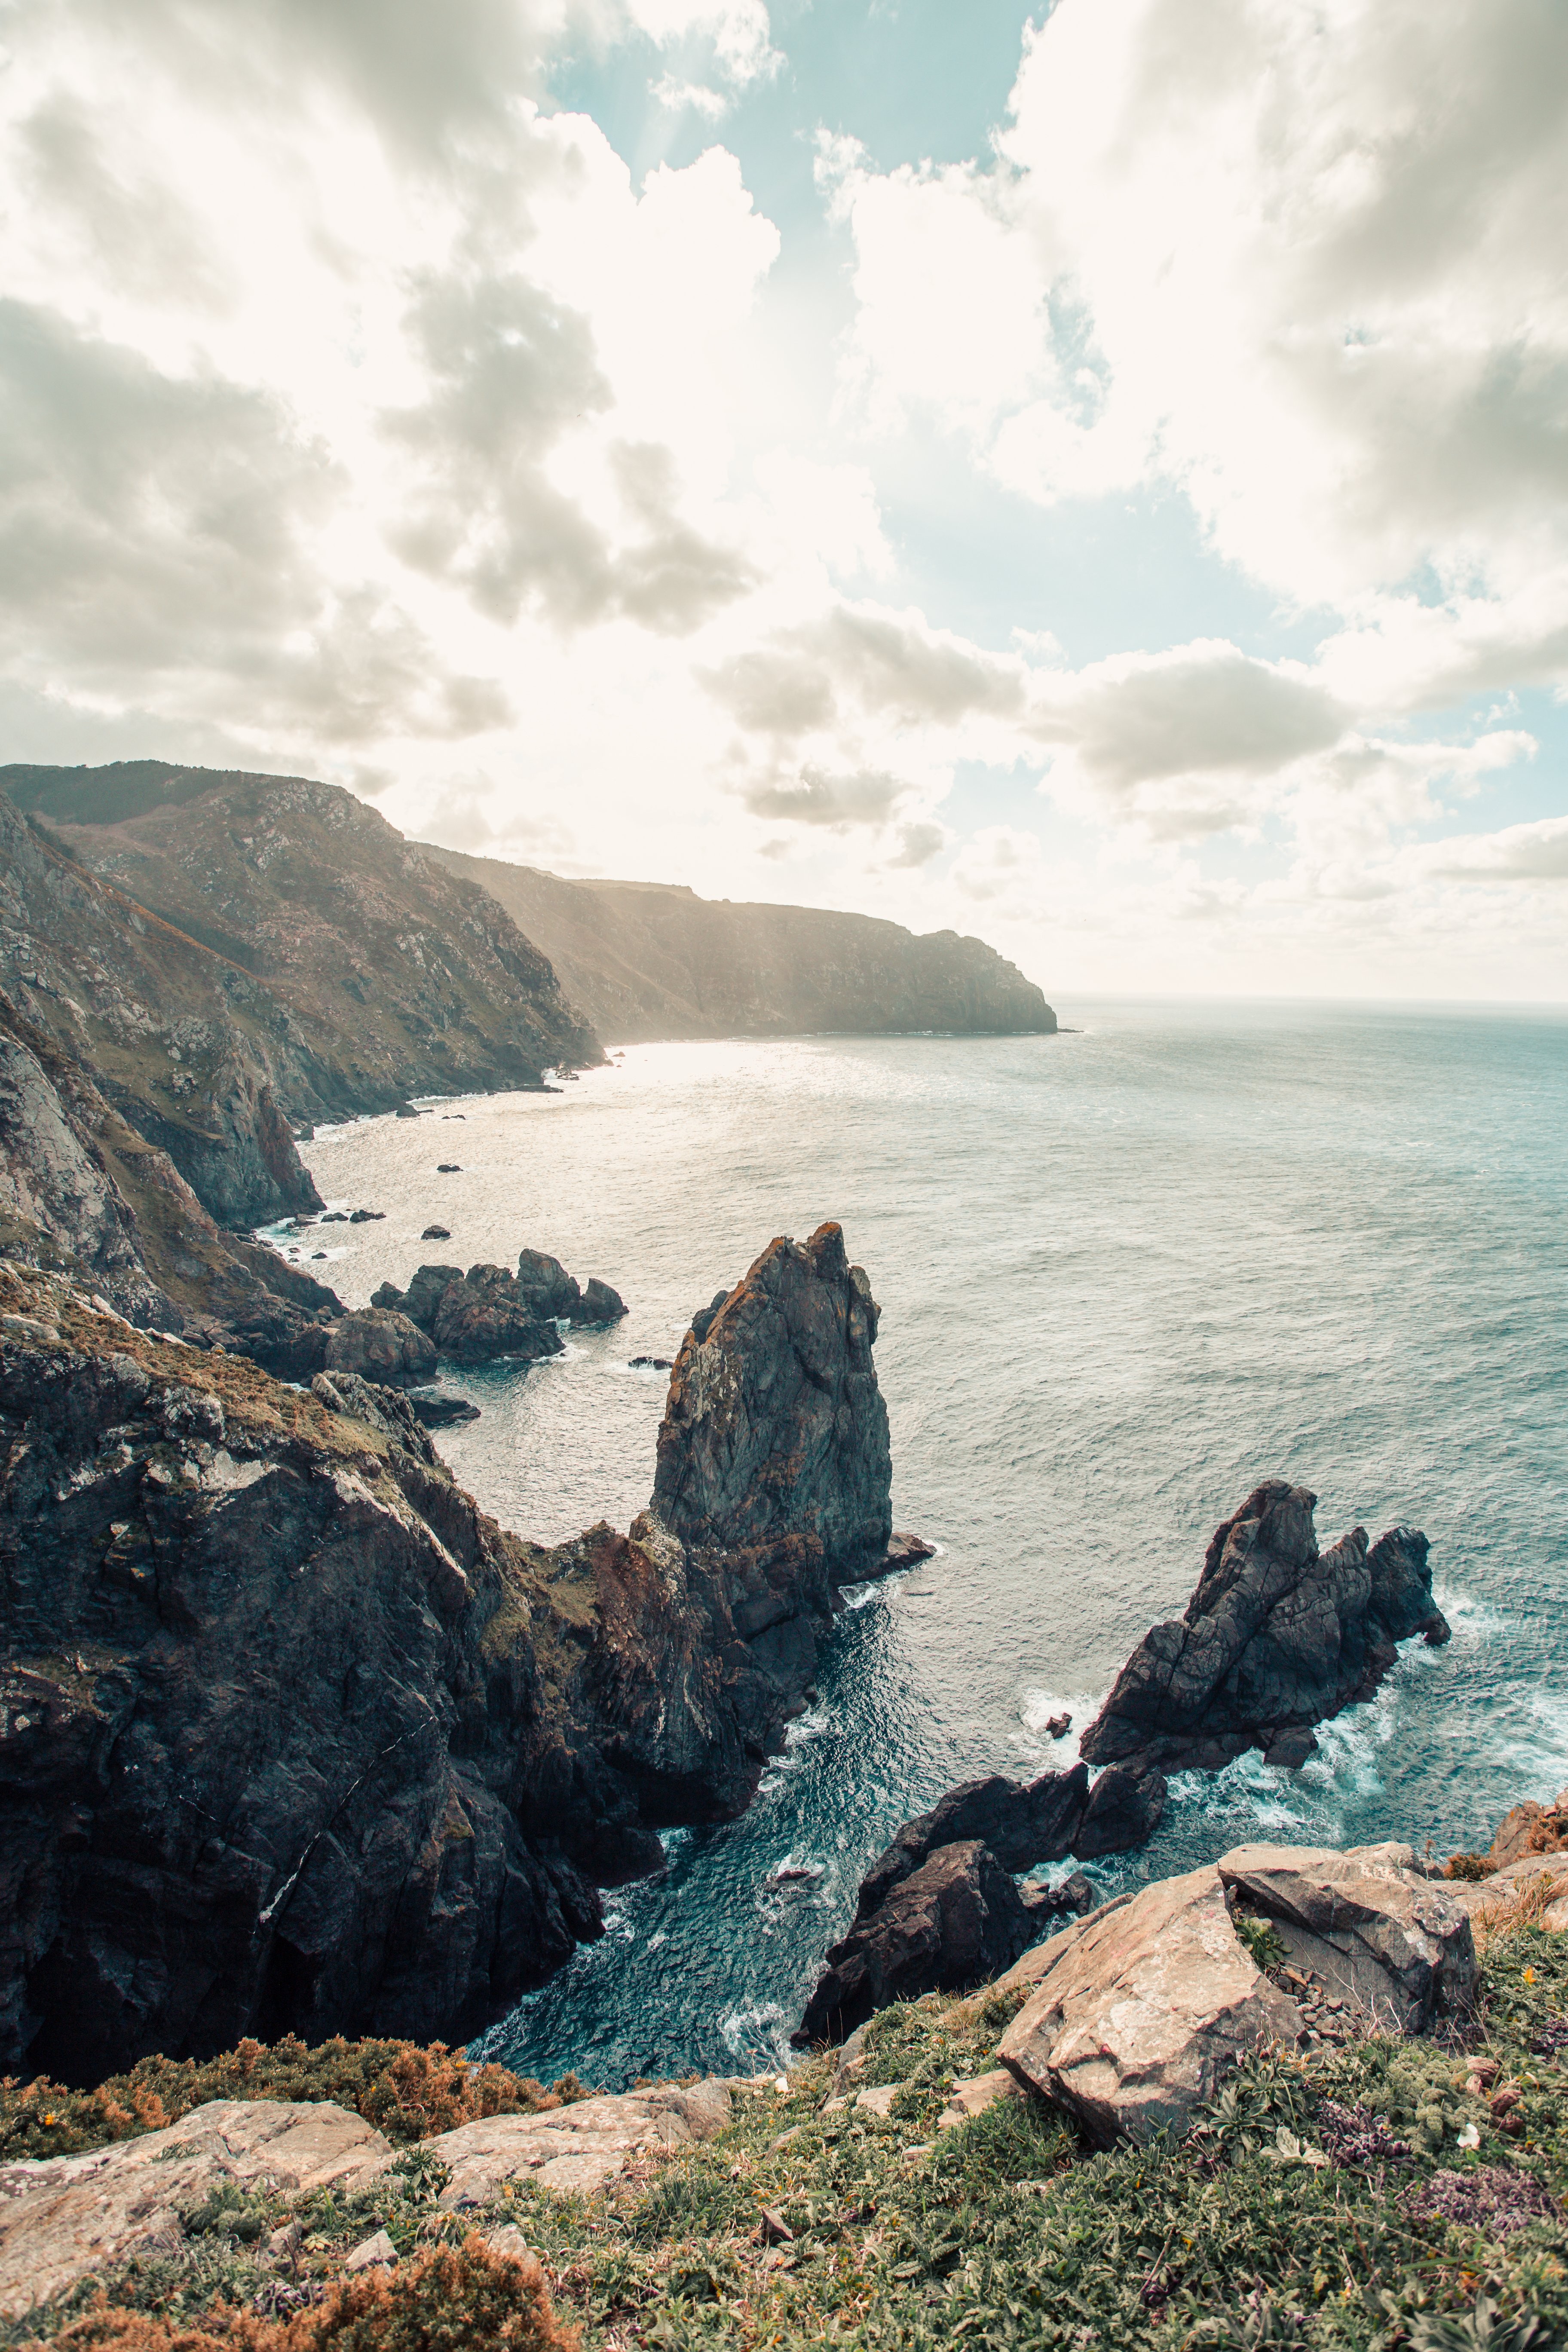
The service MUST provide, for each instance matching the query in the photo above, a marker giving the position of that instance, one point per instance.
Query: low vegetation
(1382, 2195)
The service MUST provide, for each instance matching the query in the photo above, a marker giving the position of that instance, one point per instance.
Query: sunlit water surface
(1124, 1274)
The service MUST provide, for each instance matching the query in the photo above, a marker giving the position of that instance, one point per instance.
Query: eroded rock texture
(489, 1311)
(775, 1426)
(292, 1737)
(1277, 1637)
(955, 1921)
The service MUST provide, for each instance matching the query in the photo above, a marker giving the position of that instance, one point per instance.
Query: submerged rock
(1277, 1637)
(955, 1922)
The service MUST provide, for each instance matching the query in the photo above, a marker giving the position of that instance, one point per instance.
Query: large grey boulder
(1138, 2011)
(1367, 1922)
(64, 2216)
(775, 1426)
(1141, 2008)
(578, 2148)
(1277, 1637)
(955, 1922)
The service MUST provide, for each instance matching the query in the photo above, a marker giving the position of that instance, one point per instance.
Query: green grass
(1006, 2231)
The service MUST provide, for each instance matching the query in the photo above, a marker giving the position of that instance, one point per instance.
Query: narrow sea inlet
(1125, 1273)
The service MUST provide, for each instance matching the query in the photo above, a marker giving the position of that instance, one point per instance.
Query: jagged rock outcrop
(645, 960)
(1277, 1637)
(357, 970)
(956, 1921)
(474, 1316)
(774, 1423)
(293, 1737)
(381, 1346)
(551, 1293)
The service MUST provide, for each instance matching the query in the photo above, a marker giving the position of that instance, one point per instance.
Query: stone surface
(371, 2252)
(967, 2100)
(774, 1425)
(955, 1921)
(1278, 1636)
(381, 1346)
(1021, 1825)
(1368, 1923)
(1530, 1829)
(579, 2147)
(1139, 2010)
(600, 1303)
(1542, 1877)
(1073, 1898)
(65, 2216)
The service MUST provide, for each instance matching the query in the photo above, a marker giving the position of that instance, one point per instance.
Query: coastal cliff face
(645, 960)
(368, 972)
(292, 1737)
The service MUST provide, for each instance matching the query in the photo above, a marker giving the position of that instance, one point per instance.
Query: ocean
(1125, 1273)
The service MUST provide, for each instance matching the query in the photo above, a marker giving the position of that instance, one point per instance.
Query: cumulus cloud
(865, 797)
(862, 658)
(1301, 263)
(1519, 853)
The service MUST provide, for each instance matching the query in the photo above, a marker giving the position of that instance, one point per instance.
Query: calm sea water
(1124, 1273)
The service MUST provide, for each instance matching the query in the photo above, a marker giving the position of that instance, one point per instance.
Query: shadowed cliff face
(1277, 1637)
(292, 1737)
(643, 960)
(362, 971)
(775, 1425)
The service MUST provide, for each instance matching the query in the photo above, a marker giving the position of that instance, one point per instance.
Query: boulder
(600, 1303)
(774, 1425)
(1022, 1826)
(1367, 1922)
(546, 1287)
(379, 1345)
(955, 1921)
(443, 1412)
(578, 2148)
(1277, 1637)
(436, 1234)
(64, 2216)
(1070, 1899)
(1140, 2009)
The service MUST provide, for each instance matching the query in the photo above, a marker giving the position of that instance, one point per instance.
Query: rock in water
(955, 1922)
(775, 1424)
(1021, 1826)
(473, 1317)
(600, 1303)
(382, 1346)
(1278, 1636)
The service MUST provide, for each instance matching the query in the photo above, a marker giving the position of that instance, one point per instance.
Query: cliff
(292, 1737)
(643, 959)
(364, 970)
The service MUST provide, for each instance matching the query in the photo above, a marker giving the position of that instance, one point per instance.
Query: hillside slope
(646, 960)
(376, 973)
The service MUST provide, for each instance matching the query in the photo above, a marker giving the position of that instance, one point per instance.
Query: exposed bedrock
(775, 1425)
(956, 1921)
(292, 1737)
(1277, 1637)
(489, 1311)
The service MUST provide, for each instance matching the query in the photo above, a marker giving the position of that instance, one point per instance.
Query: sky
(1093, 478)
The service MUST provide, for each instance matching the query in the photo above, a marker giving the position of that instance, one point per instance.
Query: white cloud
(1519, 853)
(737, 31)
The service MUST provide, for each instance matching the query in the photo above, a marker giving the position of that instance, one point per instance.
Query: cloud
(736, 32)
(892, 666)
(864, 798)
(917, 845)
(1304, 267)
(1519, 853)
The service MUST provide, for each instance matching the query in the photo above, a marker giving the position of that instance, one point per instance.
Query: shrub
(405, 2090)
(447, 2298)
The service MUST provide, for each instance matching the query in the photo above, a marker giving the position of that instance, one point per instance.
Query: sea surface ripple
(1125, 1273)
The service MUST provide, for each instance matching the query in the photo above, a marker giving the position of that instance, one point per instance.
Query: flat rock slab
(969, 2099)
(1368, 1923)
(61, 2217)
(578, 2148)
(1142, 2008)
